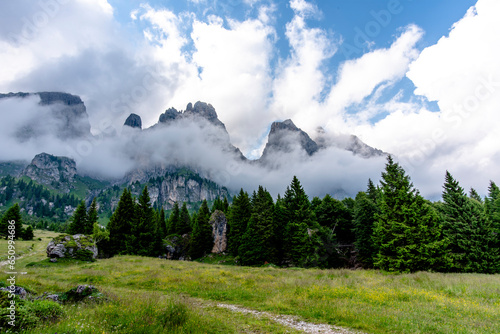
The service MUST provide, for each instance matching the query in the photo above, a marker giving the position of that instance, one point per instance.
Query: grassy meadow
(148, 295)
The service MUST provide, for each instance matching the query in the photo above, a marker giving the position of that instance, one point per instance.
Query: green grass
(367, 300)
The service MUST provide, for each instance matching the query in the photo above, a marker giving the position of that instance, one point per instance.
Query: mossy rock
(78, 246)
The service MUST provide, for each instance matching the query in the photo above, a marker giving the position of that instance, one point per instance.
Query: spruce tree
(238, 218)
(12, 214)
(120, 225)
(301, 239)
(79, 220)
(161, 224)
(335, 216)
(92, 217)
(173, 220)
(474, 195)
(365, 213)
(258, 243)
(225, 205)
(143, 231)
(184, 225)
(279, 218)
(471, 244)
(28, 233)
(202, 240)
(407, 231)
(492, 208)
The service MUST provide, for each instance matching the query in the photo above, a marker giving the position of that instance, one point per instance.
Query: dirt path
(291, 321)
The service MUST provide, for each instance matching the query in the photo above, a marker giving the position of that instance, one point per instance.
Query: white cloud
(462, 73)
(300, 79)
(358, 78)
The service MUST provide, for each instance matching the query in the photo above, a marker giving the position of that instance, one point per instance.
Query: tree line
(389, 226)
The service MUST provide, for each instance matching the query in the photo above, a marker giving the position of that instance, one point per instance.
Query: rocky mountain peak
(134, 121)
(199, 110)
(50, 170)
(285, 135)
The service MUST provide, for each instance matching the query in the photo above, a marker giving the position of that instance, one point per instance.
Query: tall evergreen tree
(120, 225)
(79, 220)
(161, 224)
(225, 205)
(202, 240)
(258, 243)
(184, 225)
(92, 217)
(474, 195)
(407, 231)
(335, 216)
(173, 220)
(218, 205)
(12, 214)
(238, 218)
(301, 239)
(143, 231)
(365, 215)
(471, 245)
(279, 218)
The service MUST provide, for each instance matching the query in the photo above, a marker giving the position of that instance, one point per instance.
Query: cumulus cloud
(462, 75)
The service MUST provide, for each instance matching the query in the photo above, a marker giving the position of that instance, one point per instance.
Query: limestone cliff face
(50, 170)
(183, 187)
(219, 231)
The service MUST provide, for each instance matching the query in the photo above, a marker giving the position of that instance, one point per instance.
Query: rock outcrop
(199, 110)
(76, 246)
(49, 170)
(134, 121)
(219, 229)
(176, 247)
(170, 185)
(347, 142)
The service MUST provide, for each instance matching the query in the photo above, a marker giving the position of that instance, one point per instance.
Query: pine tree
(407, 231)
(279, 218)
(225, 206)
(173, 220)
(120, 225)
(218, 205)
(28, 233)
(12, 214)
(161, 224)
(202, 241)
(79, 220)
(301, 239)
(238, 218)
(92, 217)
(365, 213)
(474, 195)
(184, 221)
(471, 244)
(334, 215)
(143, 231)
(258, 243)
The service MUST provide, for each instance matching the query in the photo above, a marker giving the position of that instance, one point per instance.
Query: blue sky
(418, 79)
(361, 25)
